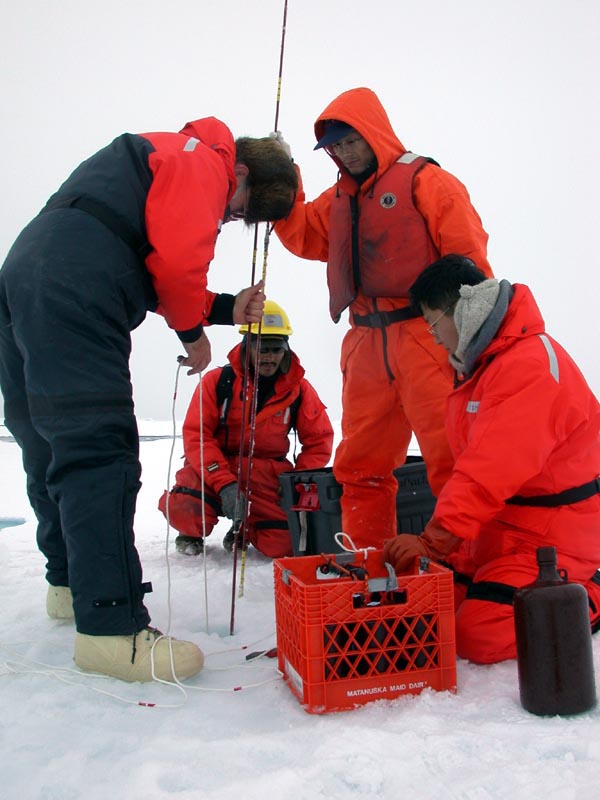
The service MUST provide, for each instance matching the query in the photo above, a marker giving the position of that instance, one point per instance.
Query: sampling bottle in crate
(554, 642)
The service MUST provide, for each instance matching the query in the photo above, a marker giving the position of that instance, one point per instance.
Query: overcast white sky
(502, 94)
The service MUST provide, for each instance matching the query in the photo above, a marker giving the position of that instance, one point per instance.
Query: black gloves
(229, 495)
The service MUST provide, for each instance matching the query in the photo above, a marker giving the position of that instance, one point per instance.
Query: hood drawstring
(372, 189)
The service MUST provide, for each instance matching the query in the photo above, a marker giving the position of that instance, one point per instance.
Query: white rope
(186, 688)
(176, 682)
(339, 540)
(168, 490)
(202, 489)
(167, 553)
(21, 666)
(241, 647)
(74, 677)
(77, 678)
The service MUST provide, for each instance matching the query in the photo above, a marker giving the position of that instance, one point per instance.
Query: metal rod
(280, 74)
(237, 523)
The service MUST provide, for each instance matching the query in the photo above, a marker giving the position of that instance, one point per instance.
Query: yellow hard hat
(275, 322)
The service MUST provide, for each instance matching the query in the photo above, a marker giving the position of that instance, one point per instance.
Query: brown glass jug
(554, 642)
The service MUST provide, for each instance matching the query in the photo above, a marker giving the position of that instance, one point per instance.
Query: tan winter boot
(59, 602)
(129, 658)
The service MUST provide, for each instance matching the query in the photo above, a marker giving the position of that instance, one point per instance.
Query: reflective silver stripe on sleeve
(407, 158)
(190, 145)
(552, 359)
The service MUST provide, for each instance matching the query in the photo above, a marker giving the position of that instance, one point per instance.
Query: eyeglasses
(233, 216)
(432, 328)
(344, 144)
(241, 214)
(276, 349)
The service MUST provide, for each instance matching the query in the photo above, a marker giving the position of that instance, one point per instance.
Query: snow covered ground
(65, 735)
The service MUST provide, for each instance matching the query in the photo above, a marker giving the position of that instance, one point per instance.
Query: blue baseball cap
(334, 131)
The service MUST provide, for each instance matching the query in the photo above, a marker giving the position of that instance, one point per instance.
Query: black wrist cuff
(221, 312)
(190, 335)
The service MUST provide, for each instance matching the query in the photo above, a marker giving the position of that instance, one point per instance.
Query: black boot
(189, 545)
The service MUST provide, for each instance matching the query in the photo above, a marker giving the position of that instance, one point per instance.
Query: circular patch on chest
(387, 200)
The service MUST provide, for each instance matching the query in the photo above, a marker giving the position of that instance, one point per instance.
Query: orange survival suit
(267, 522)
(395, 379)
(524, 427)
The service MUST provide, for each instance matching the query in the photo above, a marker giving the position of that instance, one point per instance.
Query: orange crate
(344, 641)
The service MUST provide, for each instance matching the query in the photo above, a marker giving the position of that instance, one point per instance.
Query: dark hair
(272, 179)
(438, 286)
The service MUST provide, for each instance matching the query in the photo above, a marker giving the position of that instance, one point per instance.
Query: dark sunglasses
(270, 348)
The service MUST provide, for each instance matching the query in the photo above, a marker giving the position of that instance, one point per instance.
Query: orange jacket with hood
(527, 405)
(452, 223)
